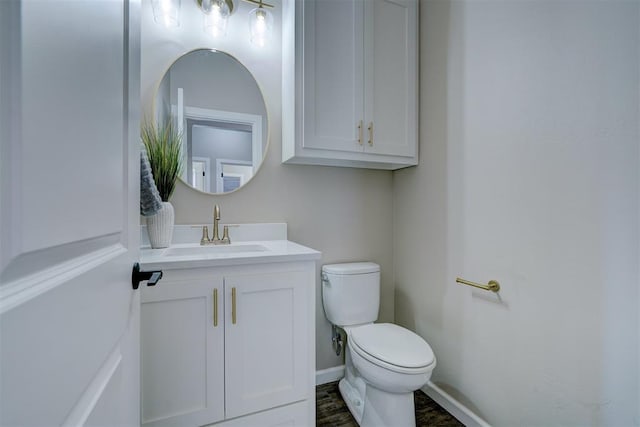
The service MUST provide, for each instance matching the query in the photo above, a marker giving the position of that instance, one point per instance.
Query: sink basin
(213, 250)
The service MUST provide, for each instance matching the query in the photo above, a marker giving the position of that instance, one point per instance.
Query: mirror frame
(264, 100)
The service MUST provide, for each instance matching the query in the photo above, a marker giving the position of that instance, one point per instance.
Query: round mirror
(220, 112)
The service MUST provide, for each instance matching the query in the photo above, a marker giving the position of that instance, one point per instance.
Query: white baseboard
(329, 375)
(455, 408)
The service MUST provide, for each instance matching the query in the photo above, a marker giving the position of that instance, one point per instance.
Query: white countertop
(276, 251)
(250, 244)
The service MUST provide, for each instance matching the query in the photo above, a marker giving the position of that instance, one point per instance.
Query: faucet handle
(225, 235)
(205, 236)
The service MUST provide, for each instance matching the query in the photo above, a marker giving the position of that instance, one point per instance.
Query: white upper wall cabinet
(350, 75)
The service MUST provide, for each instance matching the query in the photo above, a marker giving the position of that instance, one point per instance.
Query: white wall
(216, 81)
(345, 213)
(540, 99)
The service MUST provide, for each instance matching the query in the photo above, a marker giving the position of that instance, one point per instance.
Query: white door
(69, 218)
(201, 174)
(232, 174)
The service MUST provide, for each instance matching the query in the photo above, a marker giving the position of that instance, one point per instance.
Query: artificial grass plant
(164, 149)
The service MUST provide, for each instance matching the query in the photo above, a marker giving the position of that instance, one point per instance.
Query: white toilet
(385, 363)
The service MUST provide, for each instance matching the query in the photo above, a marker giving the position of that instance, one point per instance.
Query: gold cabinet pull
(215, 307)
(370, 133)
(492, 286)
(233, 305)
(360, 132)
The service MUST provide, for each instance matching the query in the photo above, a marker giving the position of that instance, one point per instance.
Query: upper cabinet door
(333, 67)
(391, 78)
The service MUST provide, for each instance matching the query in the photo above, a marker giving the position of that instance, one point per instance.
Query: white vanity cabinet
(356, 91)
(227, 344)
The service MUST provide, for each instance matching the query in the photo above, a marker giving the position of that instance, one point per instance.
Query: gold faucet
(216, 218)
(216, 237)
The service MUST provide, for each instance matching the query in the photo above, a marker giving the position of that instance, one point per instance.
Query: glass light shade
(261, 26)
(166, 12)
(216, 17)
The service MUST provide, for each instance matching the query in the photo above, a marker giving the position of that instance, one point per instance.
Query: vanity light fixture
(216, 16)
(166, 12)
(260, 23)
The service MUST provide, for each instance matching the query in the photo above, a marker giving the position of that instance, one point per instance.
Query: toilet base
(382, 408)
(372, 407)
(353, 399)
(377, 407)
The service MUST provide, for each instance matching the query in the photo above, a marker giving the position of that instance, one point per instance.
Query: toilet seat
(392, 347)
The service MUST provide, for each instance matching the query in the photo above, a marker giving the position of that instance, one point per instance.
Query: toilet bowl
(392, 358)
(384, 363)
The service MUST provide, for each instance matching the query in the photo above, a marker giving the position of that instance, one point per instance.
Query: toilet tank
(351, 292)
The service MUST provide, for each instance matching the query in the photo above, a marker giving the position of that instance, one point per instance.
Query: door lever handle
(137, 276)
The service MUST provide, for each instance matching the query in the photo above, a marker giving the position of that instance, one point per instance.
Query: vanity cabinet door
(266, 341)
(182, 352)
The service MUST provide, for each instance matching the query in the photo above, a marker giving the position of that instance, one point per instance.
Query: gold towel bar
(493, 285)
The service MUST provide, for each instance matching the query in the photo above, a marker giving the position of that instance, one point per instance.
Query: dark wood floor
(332, 411)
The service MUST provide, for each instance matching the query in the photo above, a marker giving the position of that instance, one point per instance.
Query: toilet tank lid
(351, 268)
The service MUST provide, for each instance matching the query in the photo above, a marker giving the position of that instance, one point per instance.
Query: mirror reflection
(219, 109)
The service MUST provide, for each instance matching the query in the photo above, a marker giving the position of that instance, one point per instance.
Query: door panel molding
(31, 284)
(86, 404)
